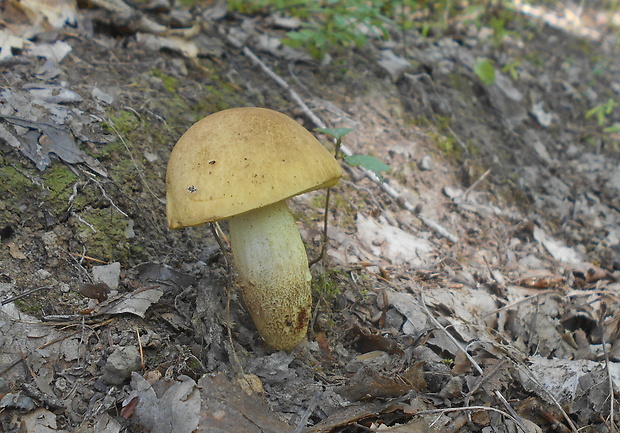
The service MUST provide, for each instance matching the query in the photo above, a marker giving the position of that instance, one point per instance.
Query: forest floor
(475, 289)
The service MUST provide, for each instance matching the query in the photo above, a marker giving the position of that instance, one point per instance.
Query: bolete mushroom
(241, 165)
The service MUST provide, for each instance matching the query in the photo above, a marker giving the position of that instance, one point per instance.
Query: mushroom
(241, 165)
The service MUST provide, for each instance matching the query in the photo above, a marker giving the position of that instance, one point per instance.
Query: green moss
(326, 285)
(220, 97)
(13, 183)
(137, 250)
(446, 144)
(122, 121)
(59, 180)
(102, 231)
(108, 150)
(462, 84)
(472, 148)
(194, 364)
(170, 83)
(27, 306)
(344, 209)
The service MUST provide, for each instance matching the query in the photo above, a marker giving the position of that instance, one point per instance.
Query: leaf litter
(431, 333)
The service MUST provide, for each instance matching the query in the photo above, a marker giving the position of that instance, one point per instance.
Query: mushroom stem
(273, 271)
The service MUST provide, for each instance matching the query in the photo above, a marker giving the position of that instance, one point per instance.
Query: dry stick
(521, 301)
(141, 350)
(475, 184)
(471, 360)
(516, 419)
(304, 419)
(83, 257)
(483, 380)
(325, 239)
(601, 320)
(402, 201)
(529, 373)
(23, 295)
(524, 369)
(215, 229)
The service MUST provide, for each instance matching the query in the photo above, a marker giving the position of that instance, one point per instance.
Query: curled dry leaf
(165, 406)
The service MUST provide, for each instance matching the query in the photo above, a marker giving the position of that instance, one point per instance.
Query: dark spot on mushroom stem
(302, 319)
(212, 162)
(192, 189)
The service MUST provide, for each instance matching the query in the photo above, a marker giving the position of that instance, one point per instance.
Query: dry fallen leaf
(226, 408)
(136, 302)
(40, 421)
(15, 252)
(166, 406)
(10, 42)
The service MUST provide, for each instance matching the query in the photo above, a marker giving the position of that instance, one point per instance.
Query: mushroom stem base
(273, 273)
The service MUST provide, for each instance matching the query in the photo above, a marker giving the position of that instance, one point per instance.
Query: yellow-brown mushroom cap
(241, 159)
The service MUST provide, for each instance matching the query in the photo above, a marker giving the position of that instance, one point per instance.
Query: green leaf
(336, 133)
(599, 112)
(485, 71)
(612, 129)
(369, 163)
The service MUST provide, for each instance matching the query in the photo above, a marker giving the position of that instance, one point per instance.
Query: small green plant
(612, 129)
(498, 22)
(337, 23)
(602, 111)
(512, 69)
(327, 25)
(485, 70)
(368, 162)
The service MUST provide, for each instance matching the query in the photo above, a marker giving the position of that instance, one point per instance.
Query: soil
(498, 252)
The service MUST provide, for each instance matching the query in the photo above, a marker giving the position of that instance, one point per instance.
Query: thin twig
(325, 238)
(304, 419)
(601, 321)
(141, 350)
(482, 381)
(83, 257)
(475, 184)
(541, 389)
(473, 362)
(517, 420)
(23, 295)
(135, 163)
(521, 301)
(229, 277)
